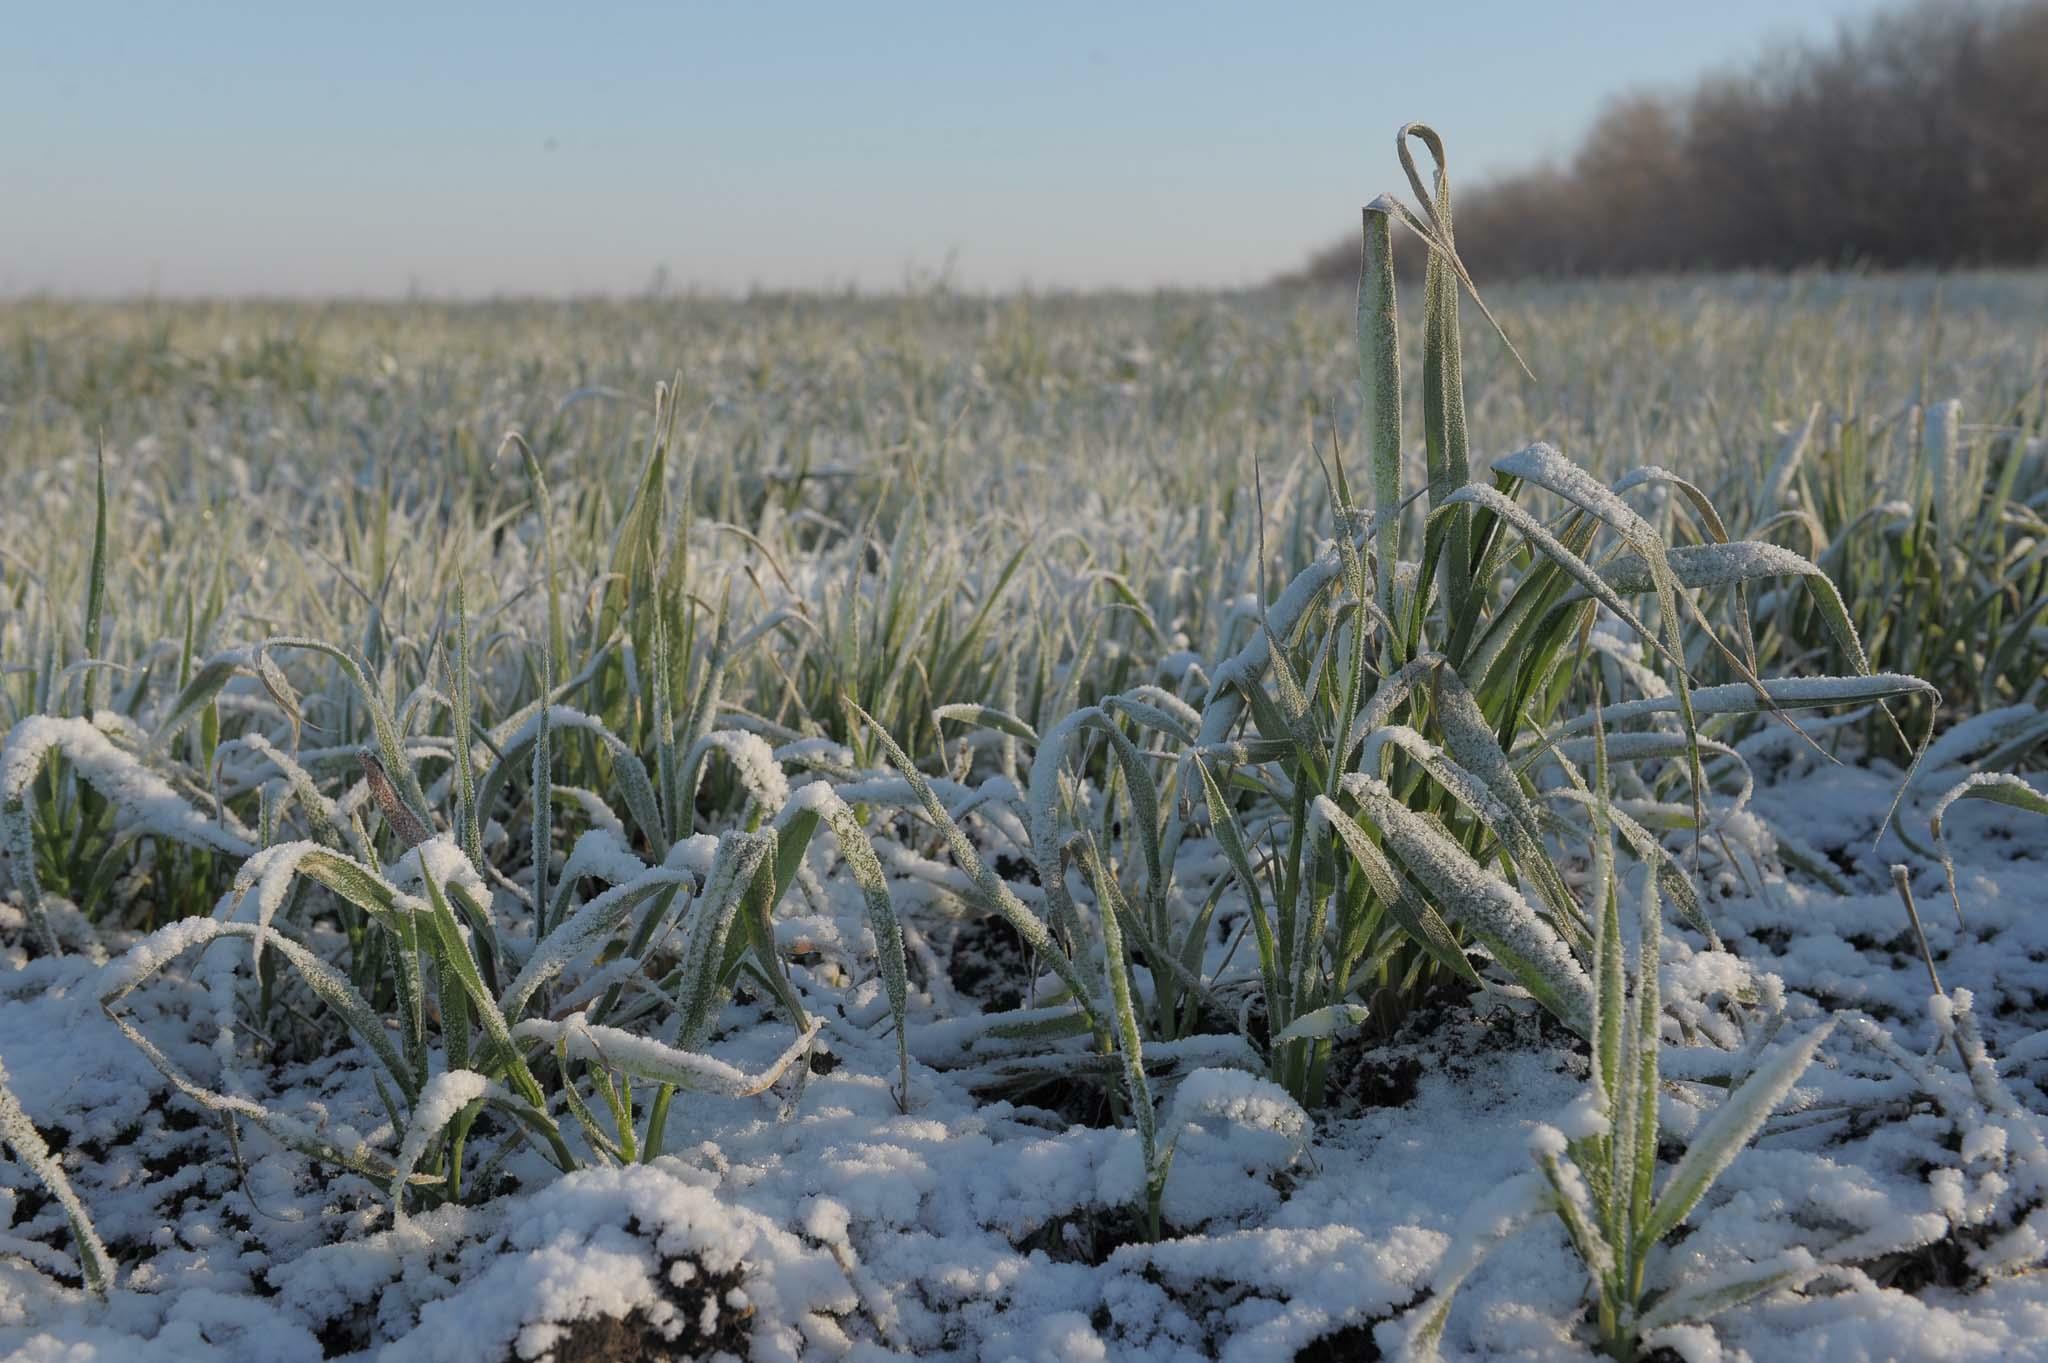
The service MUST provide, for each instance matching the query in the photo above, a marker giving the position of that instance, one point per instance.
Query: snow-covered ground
(987, 521)
(826, 1219)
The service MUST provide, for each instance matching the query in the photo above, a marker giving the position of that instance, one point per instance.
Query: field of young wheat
(1134, 828)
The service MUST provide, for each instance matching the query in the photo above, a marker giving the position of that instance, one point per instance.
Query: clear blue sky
(371, 148)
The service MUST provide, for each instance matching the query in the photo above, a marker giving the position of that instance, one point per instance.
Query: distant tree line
(1917, 137)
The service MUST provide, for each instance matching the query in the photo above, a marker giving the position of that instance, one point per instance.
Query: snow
(444, 1096)
(1226, 1133)
(647, 1058)
(268, 876)
(146, 801)
(977, 1226)
(752, 758)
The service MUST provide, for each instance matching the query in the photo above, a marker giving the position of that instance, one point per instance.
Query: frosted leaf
(1247, 667)
(645, 1058)
(602, 854)
(1487, 905)
(268, 875)
(1543, 465)
(444, 1096)
(752, 759)
(1999, 788)
(1709, 565)
(592, 922)
(1778, 488)
(146, 803)
(1740, 698)
(27, 1143)
(444, 860)
(1714, 1146)
(517, 736)
(1496, 1215)
(1973, 736)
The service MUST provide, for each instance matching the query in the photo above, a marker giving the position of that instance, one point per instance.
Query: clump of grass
(451, 1010)
(1933, 530)
(1403, 735)
(1599, 1178)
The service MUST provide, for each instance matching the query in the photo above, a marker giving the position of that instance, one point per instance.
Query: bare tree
(1916, 137)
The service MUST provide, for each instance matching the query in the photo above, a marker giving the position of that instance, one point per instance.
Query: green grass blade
(1724, 1134)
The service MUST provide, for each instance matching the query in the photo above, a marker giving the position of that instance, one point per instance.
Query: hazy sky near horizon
(458, 149)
